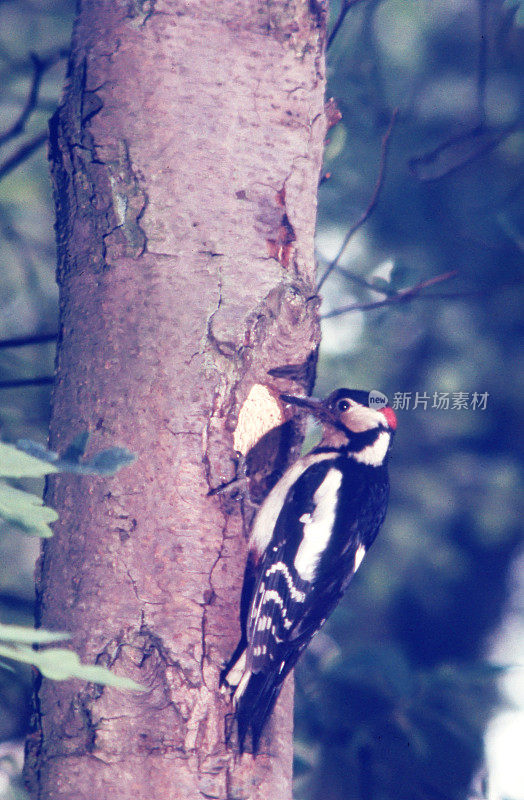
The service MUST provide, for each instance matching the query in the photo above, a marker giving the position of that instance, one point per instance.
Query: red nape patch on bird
(390, 417)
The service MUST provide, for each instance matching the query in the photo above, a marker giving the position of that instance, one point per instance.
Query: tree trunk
(185, 160)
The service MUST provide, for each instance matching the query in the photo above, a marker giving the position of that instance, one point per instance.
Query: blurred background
(415, 688)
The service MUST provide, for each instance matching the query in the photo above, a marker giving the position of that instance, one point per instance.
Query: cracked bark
(185, 160)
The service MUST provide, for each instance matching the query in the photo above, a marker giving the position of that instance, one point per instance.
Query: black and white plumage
(307, 541)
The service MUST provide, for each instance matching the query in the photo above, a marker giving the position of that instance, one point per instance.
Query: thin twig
(459, 151)
(22, 153)
(22, 341)
(371, 205)
(40, 66)
(17, 384)
(483, 62)
(355, 278)
(344, 8)
(18, 126)
(402, 296)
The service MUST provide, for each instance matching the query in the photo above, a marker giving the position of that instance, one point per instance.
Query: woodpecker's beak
(312, 405)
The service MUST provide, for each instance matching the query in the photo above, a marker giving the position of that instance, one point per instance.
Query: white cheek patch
(361, 418)
(374, 454)
(318, 526)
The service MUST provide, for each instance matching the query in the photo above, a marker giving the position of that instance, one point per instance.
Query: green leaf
(25, 635)
(107, 462)
(15, 464)
(26, 511)
(77, 448)
(60, 664)
(38, 451)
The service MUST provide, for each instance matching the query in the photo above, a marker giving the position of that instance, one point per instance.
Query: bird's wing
(288, 573)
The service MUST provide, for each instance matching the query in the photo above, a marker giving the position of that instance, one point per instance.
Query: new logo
(377, 399)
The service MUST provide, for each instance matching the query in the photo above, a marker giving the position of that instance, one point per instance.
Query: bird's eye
(343, 405)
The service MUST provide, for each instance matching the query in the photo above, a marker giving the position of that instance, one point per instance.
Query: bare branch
(483, 61)
(40, 66)
(355, 278)
(371, 205)
(32, 98)
(22, 154)
(459, 151)
(45, 380)
(402, 296)
(346, 6)
(11, 600)
(22, 341)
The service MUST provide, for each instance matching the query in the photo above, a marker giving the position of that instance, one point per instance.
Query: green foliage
(107, 462)
(19, 508)
(27, 513)
(60, 664)
(412, 732)
(15, 464)
(19, 634)
(56, 662)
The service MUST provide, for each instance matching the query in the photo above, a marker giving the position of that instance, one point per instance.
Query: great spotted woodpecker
(307, 541)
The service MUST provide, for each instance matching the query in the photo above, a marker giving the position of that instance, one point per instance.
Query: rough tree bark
(185, 159)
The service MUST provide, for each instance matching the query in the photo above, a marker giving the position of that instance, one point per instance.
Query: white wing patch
(318, 526)
(268, 512)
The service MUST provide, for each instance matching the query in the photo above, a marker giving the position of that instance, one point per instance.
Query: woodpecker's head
(351, 425)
